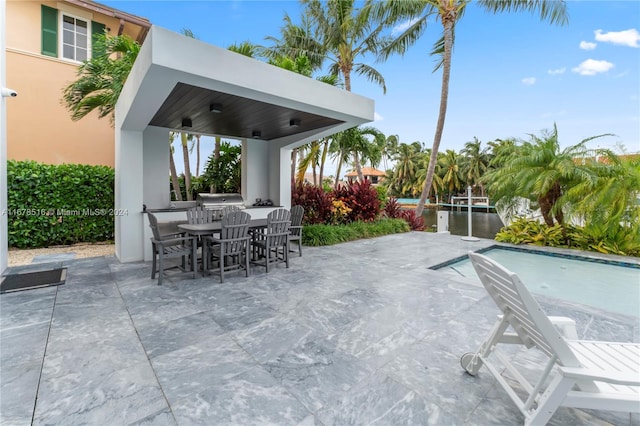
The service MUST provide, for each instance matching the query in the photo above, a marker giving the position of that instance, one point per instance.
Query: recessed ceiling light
(215, 108)
(186, 123)
(256, 134)
(294, 122)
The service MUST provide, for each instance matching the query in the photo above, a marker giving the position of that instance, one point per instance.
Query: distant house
(45, 43)
(375, 176)
(308, 178)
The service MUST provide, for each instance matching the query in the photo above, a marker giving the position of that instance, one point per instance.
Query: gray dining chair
(199, 214)
(271, 244)
(169, 246)
(231, 251)
(295, 230)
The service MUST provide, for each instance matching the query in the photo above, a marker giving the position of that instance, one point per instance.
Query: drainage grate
(31, 280)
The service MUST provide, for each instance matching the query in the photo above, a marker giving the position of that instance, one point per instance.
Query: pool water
(607, 286)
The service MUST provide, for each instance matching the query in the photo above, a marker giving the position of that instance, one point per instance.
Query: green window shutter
(96, 29)
(49, 31)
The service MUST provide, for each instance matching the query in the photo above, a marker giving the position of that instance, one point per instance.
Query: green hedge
(59, 204)
(324, 235)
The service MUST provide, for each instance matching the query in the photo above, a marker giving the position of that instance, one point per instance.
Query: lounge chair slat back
(526, 317)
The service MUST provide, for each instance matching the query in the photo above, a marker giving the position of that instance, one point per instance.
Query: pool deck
(357, 333)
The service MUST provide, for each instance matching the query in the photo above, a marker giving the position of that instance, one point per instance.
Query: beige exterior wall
(39, 127)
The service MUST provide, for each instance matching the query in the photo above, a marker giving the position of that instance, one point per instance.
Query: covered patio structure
(183, 84)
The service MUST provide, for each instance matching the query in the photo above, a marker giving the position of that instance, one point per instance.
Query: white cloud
(585, 45)
(592, 67)
(377, 117)
(626, 38)
(529, 81)
(557, 71)
(400, 28)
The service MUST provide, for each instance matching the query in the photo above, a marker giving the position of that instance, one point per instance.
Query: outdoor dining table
(211, 228)
(200, 229)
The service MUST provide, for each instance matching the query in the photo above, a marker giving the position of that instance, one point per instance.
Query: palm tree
(245, 48)
(172, 169)
(540, 170)
(338, 31)
(390, 149)
(475, 163)
(362, 149)
(406, 168)
(449, 12)
(500, 151)
(185, 138)
(450, 167)
(101, 78)
(608, 199)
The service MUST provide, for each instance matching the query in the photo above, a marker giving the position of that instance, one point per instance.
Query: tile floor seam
(133, 324)
(44, 356)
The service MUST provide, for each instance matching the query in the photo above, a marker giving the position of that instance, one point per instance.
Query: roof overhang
(177, 77)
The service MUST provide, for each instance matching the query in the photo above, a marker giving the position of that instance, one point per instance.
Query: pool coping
(607, 259)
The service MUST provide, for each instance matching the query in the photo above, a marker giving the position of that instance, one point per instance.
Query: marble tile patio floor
(358, 333)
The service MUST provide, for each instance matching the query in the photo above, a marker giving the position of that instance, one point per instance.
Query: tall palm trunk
(337, 183)
(356, 162)
(323, 158)
(300, 160)
(187, 167)
(294, 157)
(198, 155)
(448, 21)
(174, 174)
(216, 156)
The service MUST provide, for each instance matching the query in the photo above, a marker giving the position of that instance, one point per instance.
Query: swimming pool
(611, 286)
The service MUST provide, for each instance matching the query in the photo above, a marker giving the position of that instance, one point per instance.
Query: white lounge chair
(580, 374)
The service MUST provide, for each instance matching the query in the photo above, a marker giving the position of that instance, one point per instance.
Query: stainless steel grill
(217, 202)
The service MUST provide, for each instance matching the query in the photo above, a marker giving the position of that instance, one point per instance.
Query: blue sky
(512, 75)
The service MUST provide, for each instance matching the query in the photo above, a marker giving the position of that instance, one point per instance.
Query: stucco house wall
(39, 126)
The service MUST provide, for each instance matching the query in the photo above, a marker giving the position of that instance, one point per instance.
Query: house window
(67, 36)
(74, 38)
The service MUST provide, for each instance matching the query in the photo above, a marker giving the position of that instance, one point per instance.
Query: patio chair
(171, 246)
(295, 230)
(271, 244)
(199, 214)
(578, 373)
(231, 250)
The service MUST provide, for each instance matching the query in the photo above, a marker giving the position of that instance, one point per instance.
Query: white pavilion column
(255, 169)
(129, 192)
(156, 167)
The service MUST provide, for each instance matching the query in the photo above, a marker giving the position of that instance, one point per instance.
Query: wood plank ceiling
(240, 117)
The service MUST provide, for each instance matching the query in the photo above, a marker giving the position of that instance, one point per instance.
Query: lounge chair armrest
(566, 325)
(295, 227)
(612, 377)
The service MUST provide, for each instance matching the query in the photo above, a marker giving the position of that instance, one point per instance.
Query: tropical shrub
(524, 231)
(316, 202)
(322, 235)
(59, 204)
(339, 212)
(601, 239)
(224, 173)
(382, 196)
(361, 198)
(392, 209)
(416, 223)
